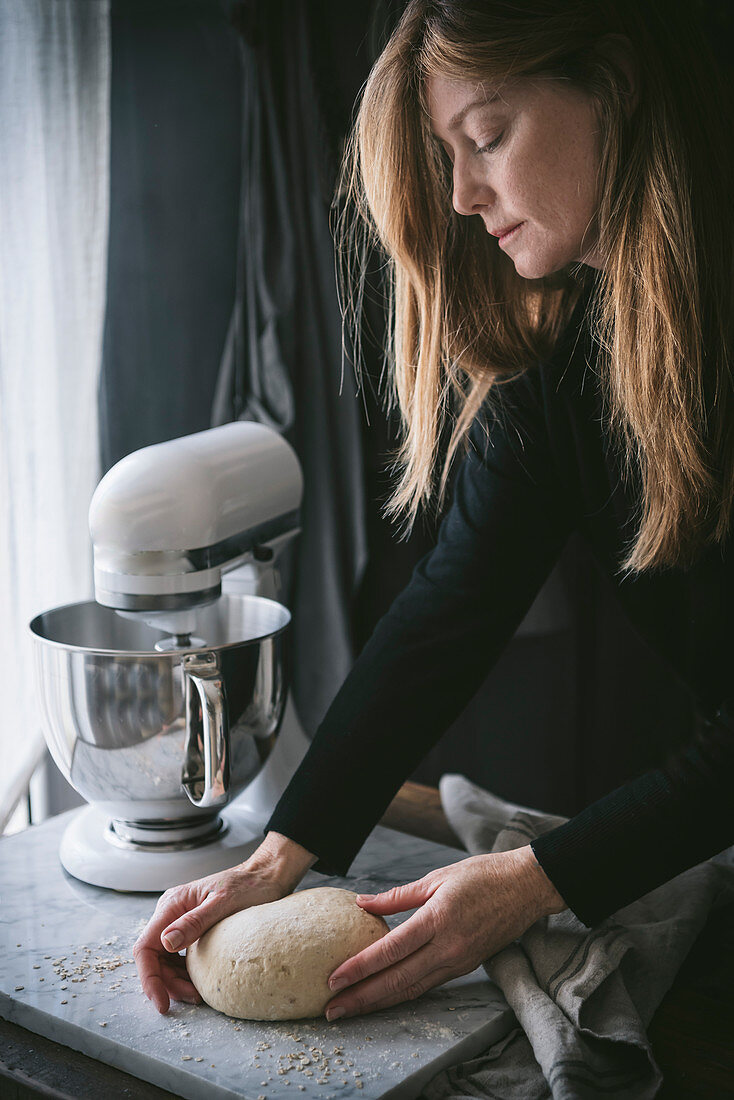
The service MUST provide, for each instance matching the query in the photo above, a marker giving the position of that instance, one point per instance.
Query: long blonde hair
(662, 309)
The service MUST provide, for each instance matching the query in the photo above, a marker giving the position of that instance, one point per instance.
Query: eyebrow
(459, 117)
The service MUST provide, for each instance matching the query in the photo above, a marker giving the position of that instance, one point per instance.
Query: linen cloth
(583, 997)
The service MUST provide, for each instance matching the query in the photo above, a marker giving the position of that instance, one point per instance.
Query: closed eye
(491, 146)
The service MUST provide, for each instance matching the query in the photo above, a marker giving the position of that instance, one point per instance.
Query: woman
(550, 182)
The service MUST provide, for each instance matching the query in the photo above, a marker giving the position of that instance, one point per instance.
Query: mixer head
(168, 520)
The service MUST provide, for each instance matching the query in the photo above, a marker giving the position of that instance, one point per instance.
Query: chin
(541, 254)
(530, 270)
(530, 267)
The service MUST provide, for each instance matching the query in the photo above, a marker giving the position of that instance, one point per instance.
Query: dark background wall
(174, 209)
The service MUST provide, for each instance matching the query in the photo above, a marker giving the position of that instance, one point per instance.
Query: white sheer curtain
(54, 201)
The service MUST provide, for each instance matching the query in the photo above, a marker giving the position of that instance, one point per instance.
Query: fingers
(170, 906)
(396, 945)
(164, 979)
(148, 962)
(404, 981)
(170, 912)
(180, 987)
(186, 928)
(400, 898)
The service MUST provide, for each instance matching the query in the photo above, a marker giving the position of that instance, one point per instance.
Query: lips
(505, 230)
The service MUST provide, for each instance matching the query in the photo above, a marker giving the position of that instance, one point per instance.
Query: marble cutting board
(66, 972)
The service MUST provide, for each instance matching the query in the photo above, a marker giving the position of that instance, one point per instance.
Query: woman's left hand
(466, 913)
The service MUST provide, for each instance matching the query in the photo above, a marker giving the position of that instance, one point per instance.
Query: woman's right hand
(185, 912)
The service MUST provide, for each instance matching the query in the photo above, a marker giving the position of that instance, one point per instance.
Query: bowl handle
(205, 777)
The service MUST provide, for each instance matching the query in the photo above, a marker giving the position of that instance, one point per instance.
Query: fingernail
(337, 984)
(335, 1013)
(173, 940)
(366, 897)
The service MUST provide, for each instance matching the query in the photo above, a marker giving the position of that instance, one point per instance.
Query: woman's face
(526, 157)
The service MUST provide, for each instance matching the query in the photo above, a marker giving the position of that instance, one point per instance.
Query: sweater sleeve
(428, 655)
(649, 830)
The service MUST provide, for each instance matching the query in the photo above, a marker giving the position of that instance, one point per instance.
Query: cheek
(559, 206)
(552, 182)
(534, 180)
(577, 184)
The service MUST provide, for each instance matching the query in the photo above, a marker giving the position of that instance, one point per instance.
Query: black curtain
(282, 363)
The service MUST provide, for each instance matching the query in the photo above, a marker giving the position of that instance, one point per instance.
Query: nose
(471, 191)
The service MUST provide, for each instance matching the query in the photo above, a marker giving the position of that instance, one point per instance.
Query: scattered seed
(64, 1002)
(198, 1059)
(18, 988)
(185, 1057)
(102, 1023)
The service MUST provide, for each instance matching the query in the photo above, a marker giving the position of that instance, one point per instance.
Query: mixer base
(88, 854)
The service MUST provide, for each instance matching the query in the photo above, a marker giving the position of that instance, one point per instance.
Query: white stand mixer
(170, 713)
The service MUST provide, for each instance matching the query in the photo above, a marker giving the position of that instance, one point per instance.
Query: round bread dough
(273, 961)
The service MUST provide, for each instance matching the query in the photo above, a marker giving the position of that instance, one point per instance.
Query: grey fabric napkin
(583, 997)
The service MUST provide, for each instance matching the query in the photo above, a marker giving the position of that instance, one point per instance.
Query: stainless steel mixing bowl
(160, 741)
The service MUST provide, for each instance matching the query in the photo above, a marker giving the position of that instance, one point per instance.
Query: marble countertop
(66, 972)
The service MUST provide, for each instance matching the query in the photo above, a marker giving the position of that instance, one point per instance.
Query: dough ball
(273, 961)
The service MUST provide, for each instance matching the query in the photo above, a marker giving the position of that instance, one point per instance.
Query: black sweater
(540, 465)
